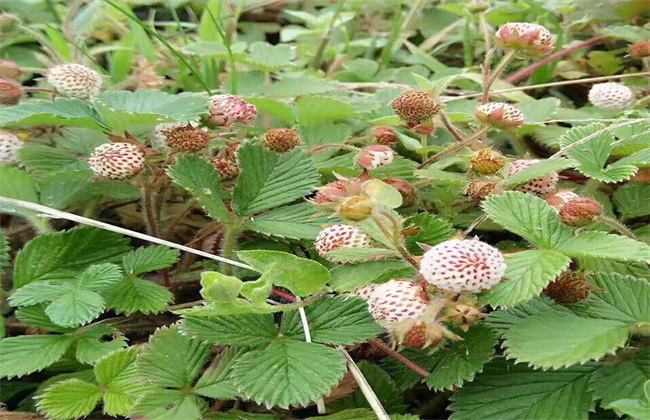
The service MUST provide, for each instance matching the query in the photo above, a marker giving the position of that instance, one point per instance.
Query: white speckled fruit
(397, 300)
(611, 95)
(75, 80)
(337, 237)
(116, 160)
(9, 147)
(540, 187)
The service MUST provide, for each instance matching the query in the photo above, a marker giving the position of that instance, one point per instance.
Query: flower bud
(569, 287)
(526, 39)
(487, 161)
(415, 106)
(500, 115)
(356, 209)
(384, 135)
(10, 92)
(580, 212)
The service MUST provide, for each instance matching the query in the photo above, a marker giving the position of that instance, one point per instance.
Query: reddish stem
(375, 342)
(528, 70)
(399, 357)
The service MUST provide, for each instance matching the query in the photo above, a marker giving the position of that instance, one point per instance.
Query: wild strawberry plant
(336, 209)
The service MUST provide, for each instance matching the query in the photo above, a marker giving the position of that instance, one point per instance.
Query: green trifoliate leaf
(527, 273)
(150, 258)
(556, 339)
(267, 57)
(69, 399)
(508, 391)
(226, 330)
(65, 254)
(619, 297)
(333, 320)
(75, 307)
(294, 222)
(120, 382)
(35, 293)
(269, 180)
(172, 359)
(217, 382)
(301, 276)
(592, 153)
(529, 217)
(136, 295)
(538, 170)
(637, 409)
(35, 316)
(607, 246)
(201, 179)
(122, 110)
(288, 372)
(349, 277)
(100, 276)
(622, 381)
(169, 404)
(383, 386)
(462, 360)
(502, 320)
(30, 353)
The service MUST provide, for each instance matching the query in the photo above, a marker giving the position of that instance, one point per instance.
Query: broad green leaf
(301, 276)
(75, 307)
(504, 319)
(592, 155)
(116, 374)
(122, 110)
(109, 368)
(618, 297)
(432, 231)
(136, 295)
(46, 159)
(442, 177)
(214, 50)
(227, 330)
(333, 320)
(20, 185)
(356, 255)
(506, 391)
(299, 86)
(350, 277)
(622, 381)
(637, 409)
(74, 112)
(239, 306)
(67, 253)
(30, 353)
(529, 217)
(538, 111)
(172, 359)
(556, 339)
(273, 107)
(62, 189)
(35, 293)
(220, 287)
(298, 221)
(35, 316)
(216, 382)
(288, 372)
(267, 57)
(100, 276)
(69, 399)
(202, 180)
(607, 246)
(631, 199)
(314, 109)
(96, 342)
(462, 359)
(150, 258)
(383, 386)
(527, 273)
(169, 404)
(404, 377)
(538, 170)
(269, 180)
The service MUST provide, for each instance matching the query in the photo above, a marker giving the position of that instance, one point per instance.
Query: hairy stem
(455, 131)
(453, 148)
(617, 226)
(495, 75)
(528, 70)
(375, 342)
(228, 246)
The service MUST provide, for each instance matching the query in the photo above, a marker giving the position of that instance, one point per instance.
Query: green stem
(453, 148)
(149, 213)
(617, 226)
(229, 245)
(318, 58)
(495, 74)
(395, 236)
